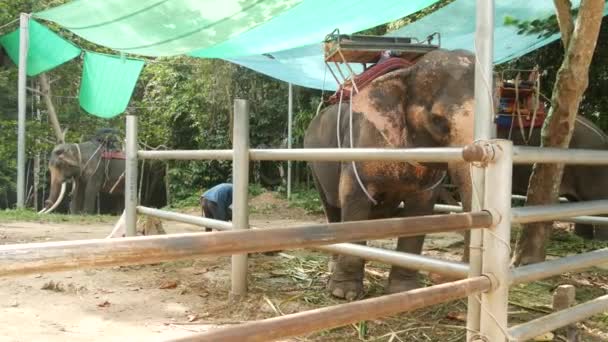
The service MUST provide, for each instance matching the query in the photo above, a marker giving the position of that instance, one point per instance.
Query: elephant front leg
(90, 197)
(346, 280)
(77, 197)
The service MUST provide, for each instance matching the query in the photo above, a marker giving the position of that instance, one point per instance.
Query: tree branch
(45, 86)
(564, 20)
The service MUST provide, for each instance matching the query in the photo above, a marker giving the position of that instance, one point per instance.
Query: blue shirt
(221, 194)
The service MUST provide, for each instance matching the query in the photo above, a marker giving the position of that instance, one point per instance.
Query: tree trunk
(46, 93)
(571, 82)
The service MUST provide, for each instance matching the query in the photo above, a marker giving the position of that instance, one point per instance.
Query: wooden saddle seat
(379, 55)
(518, 102)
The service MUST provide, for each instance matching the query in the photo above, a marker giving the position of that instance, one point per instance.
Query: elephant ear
(382, 103)
(63, 157)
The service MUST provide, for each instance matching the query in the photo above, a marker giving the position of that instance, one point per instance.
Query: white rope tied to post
(504, 330)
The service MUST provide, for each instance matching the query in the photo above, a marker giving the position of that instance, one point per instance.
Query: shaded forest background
(186, 103)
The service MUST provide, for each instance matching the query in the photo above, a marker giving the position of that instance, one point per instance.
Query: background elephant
(419, 106)
(270, 173)
(82, 165)
(580, 182)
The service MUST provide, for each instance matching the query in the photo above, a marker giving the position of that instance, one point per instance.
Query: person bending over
(216, 203)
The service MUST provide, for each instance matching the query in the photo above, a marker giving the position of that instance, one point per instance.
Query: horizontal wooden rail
(339, 315)
(66, 255)
(420, 154)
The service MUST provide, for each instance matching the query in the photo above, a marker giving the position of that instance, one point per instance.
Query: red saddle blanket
(368, 76)
(113, 155)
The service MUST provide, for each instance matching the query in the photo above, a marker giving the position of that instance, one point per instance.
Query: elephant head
(428, 104)
(64, 164)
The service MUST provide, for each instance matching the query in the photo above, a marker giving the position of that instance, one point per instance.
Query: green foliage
(32, 216)
(541, 27)
(187, 201)
(564, 243)
(256, 189)
(308, 199)
(549, 58)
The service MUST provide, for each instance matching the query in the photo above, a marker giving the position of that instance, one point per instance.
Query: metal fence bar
(522, 155)
(190, 219)
(435, 155)
(19, 259)
(339, 315)
(412, 261)
(526, 331)
(550, 268)
(240, 193)
(555, 212)
(496, 248)
(445, 208)
(289, 129)
(531, 155)
(131, 176)
(521, 197)
(21, 107)
(186, 155)
(587, 220)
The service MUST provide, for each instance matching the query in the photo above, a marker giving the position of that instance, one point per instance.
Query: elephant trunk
(57, 192)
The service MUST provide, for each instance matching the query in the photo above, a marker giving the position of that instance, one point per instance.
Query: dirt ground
(175, 299)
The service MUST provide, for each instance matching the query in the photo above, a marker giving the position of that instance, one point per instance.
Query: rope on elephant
(82, 169)
(350, 127)
(518, 110)
(535, 104)
(338, 121)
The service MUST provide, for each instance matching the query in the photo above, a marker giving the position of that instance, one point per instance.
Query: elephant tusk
(120, 228)
(42, 211)
(59, 199)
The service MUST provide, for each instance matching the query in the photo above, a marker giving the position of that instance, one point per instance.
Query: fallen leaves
(169, 284)
(104, 304)
(457, 316)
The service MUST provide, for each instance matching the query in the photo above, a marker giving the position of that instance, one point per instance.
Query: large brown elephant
(427, 104)
(90, 174)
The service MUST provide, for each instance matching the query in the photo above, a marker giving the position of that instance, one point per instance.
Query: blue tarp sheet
(455, 22)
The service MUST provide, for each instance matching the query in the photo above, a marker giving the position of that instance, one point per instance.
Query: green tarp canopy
(46, 49)
(163, 27)
(107, 83)
(220, 28)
